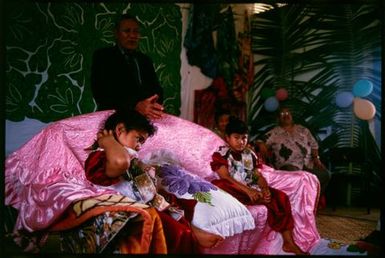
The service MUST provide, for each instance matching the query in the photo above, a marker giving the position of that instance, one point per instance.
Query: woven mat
(344, 230)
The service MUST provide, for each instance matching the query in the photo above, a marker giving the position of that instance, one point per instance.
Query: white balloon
(364, 109)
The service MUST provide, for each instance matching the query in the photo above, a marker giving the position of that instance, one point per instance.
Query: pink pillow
(192, 144)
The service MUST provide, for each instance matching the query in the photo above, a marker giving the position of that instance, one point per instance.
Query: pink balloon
(363, 109)
(281, 94)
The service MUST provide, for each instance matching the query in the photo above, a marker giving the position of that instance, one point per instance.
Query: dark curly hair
(236, 125)
(132, 120)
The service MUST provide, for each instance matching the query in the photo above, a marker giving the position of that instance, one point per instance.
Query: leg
(280, 219)
(289, 245)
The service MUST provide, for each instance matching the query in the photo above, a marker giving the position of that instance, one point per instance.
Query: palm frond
(315, 53)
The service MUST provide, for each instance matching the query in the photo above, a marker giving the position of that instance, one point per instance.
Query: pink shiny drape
(46, 175)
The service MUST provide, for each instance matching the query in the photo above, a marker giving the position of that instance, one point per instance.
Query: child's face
(132, 139)
(236, 141)
(223, 121)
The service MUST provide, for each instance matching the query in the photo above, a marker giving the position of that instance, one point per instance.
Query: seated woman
(292, 147)
(114, 163)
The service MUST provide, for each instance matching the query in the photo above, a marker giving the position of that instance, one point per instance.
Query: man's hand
(150, 108)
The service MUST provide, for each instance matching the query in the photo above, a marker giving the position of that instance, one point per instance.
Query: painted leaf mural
(49, 49)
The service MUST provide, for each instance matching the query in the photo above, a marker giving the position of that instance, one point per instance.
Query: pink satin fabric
(302, 189)
(191, 143)
(44, 176)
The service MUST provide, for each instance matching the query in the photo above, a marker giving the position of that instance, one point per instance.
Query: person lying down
(113, 163)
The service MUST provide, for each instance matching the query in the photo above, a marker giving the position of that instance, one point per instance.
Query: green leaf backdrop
(314, 52)
(49, 48)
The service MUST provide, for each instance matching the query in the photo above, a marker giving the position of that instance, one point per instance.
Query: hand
(254, 195)
(103, 137)
(150, 108)
(266, 195)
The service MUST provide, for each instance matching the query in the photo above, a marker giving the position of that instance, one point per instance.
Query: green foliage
(49, 49)
(204, 197)
(315, 51)
(314, 54)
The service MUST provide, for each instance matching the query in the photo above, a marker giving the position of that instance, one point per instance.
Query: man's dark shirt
(116, 84)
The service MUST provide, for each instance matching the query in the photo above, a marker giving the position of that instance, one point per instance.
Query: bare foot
(293, 248)
(206, 239)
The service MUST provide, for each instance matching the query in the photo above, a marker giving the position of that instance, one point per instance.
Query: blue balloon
(344, 99)
(362, 88)
(271, 104)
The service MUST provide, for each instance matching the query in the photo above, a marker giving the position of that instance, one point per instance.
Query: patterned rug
(344, 230)
(340, 235)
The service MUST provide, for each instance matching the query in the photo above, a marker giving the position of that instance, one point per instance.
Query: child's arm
(118, 159)
(253, 194)
(262, 183)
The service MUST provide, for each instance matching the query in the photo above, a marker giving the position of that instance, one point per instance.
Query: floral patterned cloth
(241, 166)
(291, 148)
(177, 181)
(94, 235)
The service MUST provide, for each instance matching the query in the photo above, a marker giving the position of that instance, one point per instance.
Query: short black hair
(125, 16)
(132, 120)
(236, 125)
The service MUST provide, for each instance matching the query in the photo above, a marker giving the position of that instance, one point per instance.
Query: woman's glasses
(284, 113)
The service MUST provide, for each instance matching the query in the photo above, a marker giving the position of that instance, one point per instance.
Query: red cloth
(218, 161)
(187, 205)
(279, 209)
(95, 167)
(279, 215)
(178, 234)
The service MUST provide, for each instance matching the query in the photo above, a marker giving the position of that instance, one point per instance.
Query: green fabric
(49, 48)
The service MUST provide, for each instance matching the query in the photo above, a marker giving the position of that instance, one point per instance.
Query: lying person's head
(130, 128)
(236, 134)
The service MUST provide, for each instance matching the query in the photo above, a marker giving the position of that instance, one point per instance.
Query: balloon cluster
(272, 98)
(362, 108)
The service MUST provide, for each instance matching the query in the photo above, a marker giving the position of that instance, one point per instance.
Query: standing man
(124, 78)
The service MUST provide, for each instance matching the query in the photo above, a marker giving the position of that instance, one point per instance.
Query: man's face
(127, 35)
